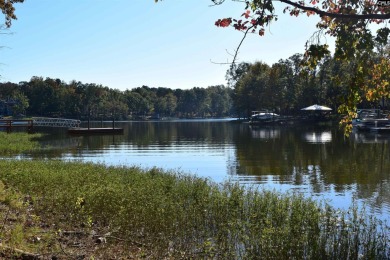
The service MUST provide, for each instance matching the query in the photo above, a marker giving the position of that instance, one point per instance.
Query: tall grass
(182, 216)
(17, 142)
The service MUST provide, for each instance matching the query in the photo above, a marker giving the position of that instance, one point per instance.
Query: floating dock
(385, 129)
(87, 131)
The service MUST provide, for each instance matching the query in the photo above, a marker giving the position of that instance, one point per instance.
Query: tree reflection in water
(319, 161)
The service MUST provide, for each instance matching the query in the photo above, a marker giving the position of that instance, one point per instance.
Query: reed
(17, 142)
(181, 216)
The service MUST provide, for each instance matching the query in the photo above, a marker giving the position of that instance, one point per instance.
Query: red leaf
(261, 32)
(224, 22)
(247, 14)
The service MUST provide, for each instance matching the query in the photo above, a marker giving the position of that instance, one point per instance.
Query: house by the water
(6, 106)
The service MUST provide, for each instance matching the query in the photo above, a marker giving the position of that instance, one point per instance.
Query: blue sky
(125, 44)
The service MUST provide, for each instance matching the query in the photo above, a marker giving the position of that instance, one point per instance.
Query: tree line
(55, 98)
(288, 85)
(284, 87)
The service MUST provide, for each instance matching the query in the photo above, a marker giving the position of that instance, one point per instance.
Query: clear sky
(125, 44)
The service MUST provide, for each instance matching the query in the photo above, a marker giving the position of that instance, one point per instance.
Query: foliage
(379, 85)
(181, 216)
(350, 23)
(283, 87)
(55, 98)
(8, 10)
(287, 86)
(251, 90)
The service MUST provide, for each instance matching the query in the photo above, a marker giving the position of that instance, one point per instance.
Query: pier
(102, 130)
(9, 124)
(73, 125)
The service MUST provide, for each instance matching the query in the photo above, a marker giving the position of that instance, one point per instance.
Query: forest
(284, 87)
(55, 98)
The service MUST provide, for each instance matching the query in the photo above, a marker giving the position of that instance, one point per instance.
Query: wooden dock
(9, 124)
(101, 130)
(385, 129)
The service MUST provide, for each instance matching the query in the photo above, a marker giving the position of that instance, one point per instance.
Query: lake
(317, 161)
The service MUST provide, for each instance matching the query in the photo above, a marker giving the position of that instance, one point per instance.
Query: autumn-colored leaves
(8, 10)
(223, 22)
(253, 23)
(378, 85)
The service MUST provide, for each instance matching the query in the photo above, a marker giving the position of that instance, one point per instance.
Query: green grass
(183, 216)
(17, 142)
(18, 226)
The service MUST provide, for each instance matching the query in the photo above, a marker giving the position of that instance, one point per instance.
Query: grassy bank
(14, 143)
(80, 209)
(183, 216)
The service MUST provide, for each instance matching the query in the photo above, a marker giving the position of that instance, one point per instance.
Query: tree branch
(337, 15)
(239, 45)
(323, 13)
(236, 51)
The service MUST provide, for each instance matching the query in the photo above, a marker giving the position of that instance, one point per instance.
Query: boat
(263, 117)
(371, 120)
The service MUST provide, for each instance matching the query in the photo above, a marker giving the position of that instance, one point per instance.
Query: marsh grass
(181, 216)
(17, 142)
(18, 229)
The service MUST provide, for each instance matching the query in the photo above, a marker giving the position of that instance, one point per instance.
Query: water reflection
(324, 163)
(369, 137)
(265, 133)
(317, 161)
(318, 137)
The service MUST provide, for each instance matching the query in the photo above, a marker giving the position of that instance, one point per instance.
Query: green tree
(7, 89)
(187, 104)
(252, 91)
(73, 100)
(149, 98)
(220, 100)
(235, 72)
(287, 73)
(12, 91)
(115, 104)
(21, 104)
(92, 97)
(278, 81)
(201, 103)
(40, 95)
(137, 104)
(166, 105)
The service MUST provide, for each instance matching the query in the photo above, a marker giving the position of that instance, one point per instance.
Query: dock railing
(55, 122)
(9, 124)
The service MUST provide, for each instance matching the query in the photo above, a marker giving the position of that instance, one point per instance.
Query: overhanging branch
(242, 40)
(337, 15)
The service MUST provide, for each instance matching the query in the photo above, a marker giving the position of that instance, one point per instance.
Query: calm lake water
(317, 161)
